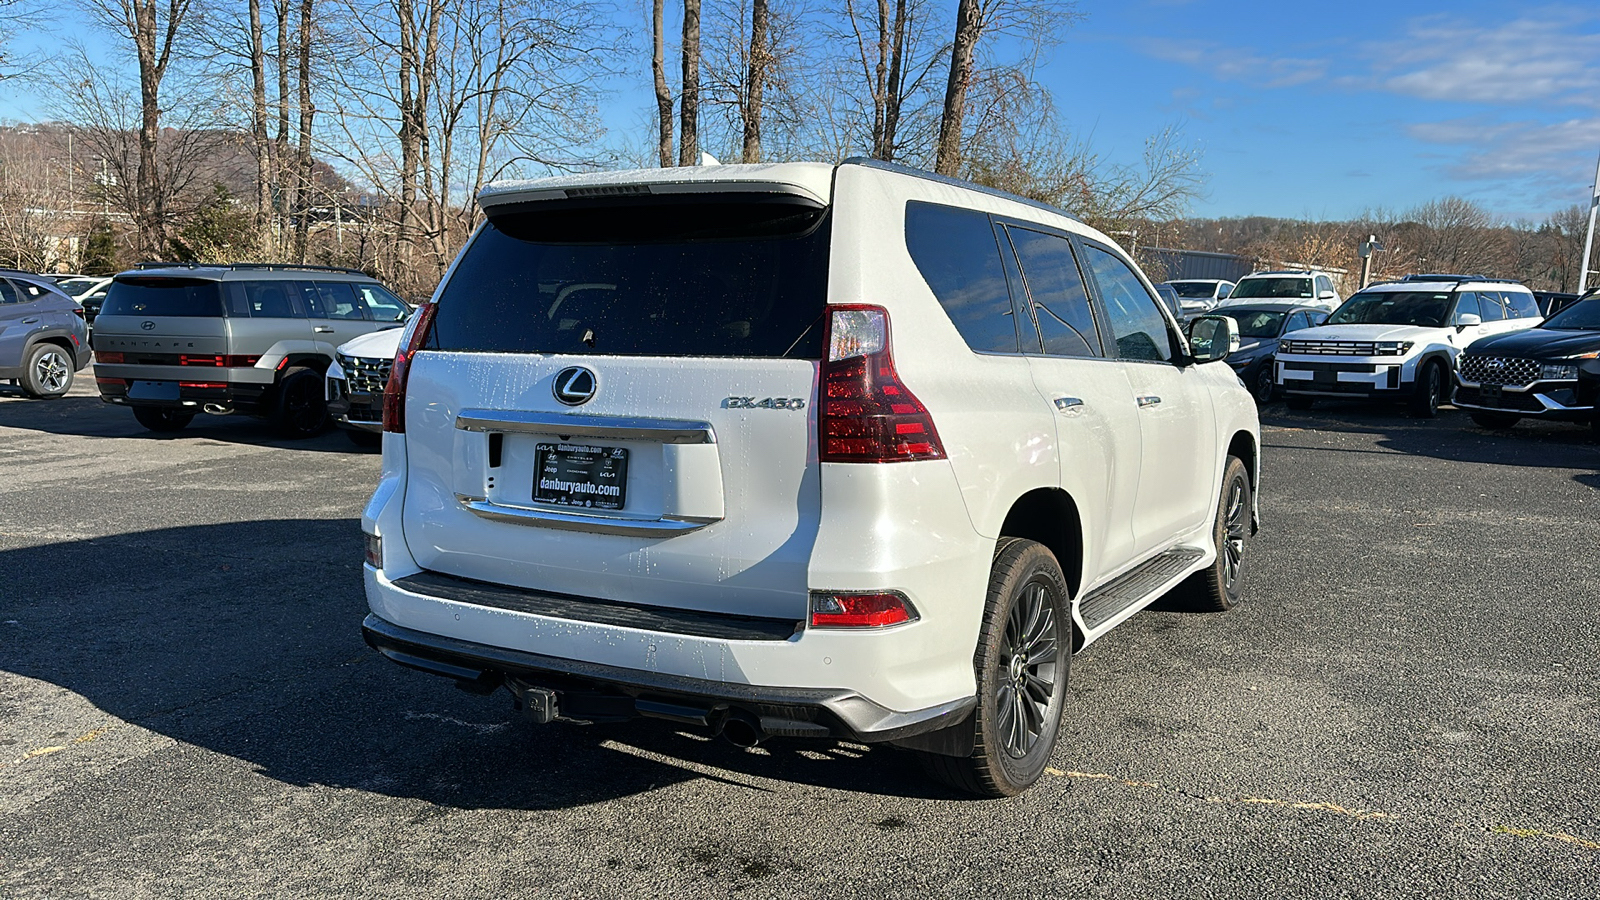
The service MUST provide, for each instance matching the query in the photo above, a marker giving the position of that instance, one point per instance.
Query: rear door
(615, 401)
(13, 333)
(336, 312)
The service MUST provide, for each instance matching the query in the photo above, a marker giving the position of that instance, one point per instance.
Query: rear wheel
(158, 418)
(1495, 421)
(1294, 402)
(1219, 586)
(47, 374)
(1024, 650)
(1429, 391)
(302, 408)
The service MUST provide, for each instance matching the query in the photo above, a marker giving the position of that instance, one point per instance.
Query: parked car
(799, 450)
(355, 385)
(1201, 295)
(1552, 302)
(89, 290)
(1399, 339)
(1311, 288)
(1550, 371)
(43, 338)
(1260, 327)
(175, 340)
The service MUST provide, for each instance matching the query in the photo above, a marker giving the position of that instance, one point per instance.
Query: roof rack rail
(1284, 272)
(265, 267)
(1440, 276)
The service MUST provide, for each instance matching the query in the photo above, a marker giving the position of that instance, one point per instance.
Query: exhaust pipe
(217, 409)
(742, 729)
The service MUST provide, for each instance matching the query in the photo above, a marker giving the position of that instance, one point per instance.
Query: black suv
(1551, 371)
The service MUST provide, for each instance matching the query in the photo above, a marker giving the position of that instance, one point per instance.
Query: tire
(1428, 392)
(301, 408)
(1495, 421)
(1298, 403)
(160, 418)
(364, 438)
(1220, 585)
(1264, 389)
(1014, 731)
(47, 373)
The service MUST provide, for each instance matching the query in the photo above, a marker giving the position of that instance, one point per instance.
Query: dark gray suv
(43, 338)
(172, 340)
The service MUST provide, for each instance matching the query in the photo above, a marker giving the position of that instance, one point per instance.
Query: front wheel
(1219, 586)
(1264, 388)
(1024, 650)
(48, 372)
(1428, 392)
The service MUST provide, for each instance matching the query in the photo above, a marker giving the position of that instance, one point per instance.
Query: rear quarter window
(163, 297)
(958, 255)
(1523, 304)
(731, 276)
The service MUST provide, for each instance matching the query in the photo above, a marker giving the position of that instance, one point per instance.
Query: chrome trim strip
(616, 428)
(543, 518)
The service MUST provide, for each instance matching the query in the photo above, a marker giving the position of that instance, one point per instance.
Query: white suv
(1308, 288)
(1399, 339)
(800, 450)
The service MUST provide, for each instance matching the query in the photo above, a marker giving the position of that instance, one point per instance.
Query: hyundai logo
(574, 385)
(1495, 364)
(148, 326)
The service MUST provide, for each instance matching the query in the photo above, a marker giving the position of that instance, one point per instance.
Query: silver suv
(172, 341)
(43, 338)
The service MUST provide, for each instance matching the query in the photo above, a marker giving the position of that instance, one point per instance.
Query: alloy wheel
(1236, 528)
(52, 372)
(1028, 674)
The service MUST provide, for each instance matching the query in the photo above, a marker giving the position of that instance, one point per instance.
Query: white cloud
(1549, 57)
(1546, 162)
(1232, 64)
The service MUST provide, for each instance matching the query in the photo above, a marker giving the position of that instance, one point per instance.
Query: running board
(1102, 604)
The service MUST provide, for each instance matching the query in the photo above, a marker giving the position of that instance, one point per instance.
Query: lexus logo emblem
(148, 326)
(574, 385)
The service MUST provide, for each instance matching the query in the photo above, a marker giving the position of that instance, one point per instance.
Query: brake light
(867, 414)
(78, 311)
(118, 381)
(860, 610)
(202, 384)
(219, 361)
(394, 393)
(107, 356)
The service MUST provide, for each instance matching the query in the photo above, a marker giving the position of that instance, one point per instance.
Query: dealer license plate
(580, 475)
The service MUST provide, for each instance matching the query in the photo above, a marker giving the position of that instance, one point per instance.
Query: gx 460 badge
(767, 403)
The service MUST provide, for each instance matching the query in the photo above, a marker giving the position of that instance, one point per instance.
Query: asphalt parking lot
(1408, 704)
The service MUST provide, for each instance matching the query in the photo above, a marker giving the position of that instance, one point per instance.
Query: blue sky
(1303, 110)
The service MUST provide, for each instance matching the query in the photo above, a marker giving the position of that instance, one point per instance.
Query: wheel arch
(56, 336)
(1243, 445)
(1050, 516)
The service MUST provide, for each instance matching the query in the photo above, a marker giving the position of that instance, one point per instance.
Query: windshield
(1194, 288)
(1258, 323)
(1581, 316)
(1291, 287)
(1427, 309)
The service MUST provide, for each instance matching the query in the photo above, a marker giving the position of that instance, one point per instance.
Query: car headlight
(1394, 348)
(1557, 372)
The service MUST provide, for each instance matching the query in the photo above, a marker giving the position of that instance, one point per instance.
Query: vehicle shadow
(244, 639)
(82, 414)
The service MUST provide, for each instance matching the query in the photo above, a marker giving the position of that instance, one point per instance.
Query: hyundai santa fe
(799, 450)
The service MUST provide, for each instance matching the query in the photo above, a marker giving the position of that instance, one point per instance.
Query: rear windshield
(1291, 288)
(737, 275)
(153, 297)
(1428, 309)
(1258, 323)
(1194, 288)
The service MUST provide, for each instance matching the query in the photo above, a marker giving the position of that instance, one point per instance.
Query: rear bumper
(597, 691)
(191, 394)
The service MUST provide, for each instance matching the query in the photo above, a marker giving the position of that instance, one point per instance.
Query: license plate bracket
(1492, 393)
(580, 475)
(153, 390)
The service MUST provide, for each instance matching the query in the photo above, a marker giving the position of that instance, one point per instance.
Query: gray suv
(172, 340)
(43, 338)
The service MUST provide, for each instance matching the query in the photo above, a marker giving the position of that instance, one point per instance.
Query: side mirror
(1468, 320)
(1327, 295)
(1212, 338)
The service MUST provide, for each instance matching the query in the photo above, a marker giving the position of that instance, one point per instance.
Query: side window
(1136, 322)
(1223, 290)
(956, 252)
(1467, 302)
(271, 300)
(8, 294)
(1060, 304)
(27, 292)
(384, 306)
(1489, 303)
(1522, 303)
(233, 293)
(1297, 321)
(339, 301)
(1324, 283)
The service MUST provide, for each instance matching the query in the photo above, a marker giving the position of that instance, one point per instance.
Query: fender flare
(47, 335)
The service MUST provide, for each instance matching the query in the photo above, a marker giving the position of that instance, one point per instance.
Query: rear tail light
(202, 384)
(78, 311)
(219, 361)
(107, 356)
(116, 381)
(394, 394)
(860, 610)
(867, 414)
(374, 551)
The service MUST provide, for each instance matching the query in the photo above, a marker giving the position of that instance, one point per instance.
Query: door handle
(30, 320)
(1065, 403)
(1145, 402)
(322, 329)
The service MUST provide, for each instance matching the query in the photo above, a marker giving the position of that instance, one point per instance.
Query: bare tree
(689, 92)
(760, 63)
(302, 170)
(897, 52)
(658, 68)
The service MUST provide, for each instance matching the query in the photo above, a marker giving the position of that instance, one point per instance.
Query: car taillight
(210, 385)
(107, 356)
(78, 311)
(374, 551)
(394, 393)
(866, 414)
(876, 610)
(218, 361)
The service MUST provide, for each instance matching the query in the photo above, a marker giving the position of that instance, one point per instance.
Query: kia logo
(574, 385)
(148, 326)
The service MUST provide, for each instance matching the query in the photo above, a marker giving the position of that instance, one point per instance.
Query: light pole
(1367, 248)
(1588, 238)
